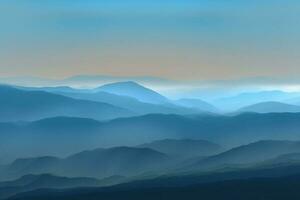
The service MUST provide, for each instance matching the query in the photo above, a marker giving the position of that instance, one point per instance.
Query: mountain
(134, 90)
(134, 161)
(184, 147)
(278, 188)
(245, 99)
(282, 160)
(181, 180)
(33, 182)
(100, 79)
(115, 161)
(228, 130)
(56, 89)
(196, 103)
(26, 80)
(16, 104)
(83, 80)
(293, 101)
(249, 154)
(23, 166)
(31, 139)
(187, 184)
(125, 161)
(68, 135)
(234, 173)
(129, 103)
(270, 107)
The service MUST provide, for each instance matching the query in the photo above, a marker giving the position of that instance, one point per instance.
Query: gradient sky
(175, 39)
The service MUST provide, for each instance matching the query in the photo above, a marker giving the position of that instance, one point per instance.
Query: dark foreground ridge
(256, 188)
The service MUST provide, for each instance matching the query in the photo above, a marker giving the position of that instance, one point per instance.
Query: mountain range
(196, 104)
(134, 90)
(83, 80)
(133, 161)
(263, 160)
(21, 105)
(270, 107)
(76, 134)
(128, 95)
(141, 100)
(273, 188)
(249, 154)
(100, 163)
(185, 148)
(131, 103)
(238, 101)
(32, 182)
(115, 138)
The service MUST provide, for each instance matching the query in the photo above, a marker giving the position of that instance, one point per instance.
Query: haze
(178, 39)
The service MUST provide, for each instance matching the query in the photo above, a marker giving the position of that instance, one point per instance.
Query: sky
(174, 39)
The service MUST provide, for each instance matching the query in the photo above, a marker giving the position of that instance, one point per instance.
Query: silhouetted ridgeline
(256, 188)
(138, 161)
(69, 135)
(33, 182)
(100, 163)
(16, 104)
(134, 143)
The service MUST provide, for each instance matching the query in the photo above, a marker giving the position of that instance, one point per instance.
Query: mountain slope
(184, 148)
(125, 161)
(247, 189)
(72, 134)
(38, 138)
(270, 107)
(229, 130)
(18, 104)
(249, 154)
(134, 90)
(115, 161)
(245, 99)
(196, 103)
(33, 182)
(130, 103)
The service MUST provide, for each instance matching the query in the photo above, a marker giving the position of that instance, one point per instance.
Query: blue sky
(178, 39)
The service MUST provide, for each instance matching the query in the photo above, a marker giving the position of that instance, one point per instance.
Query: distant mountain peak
(134, 90)
(131, 83)
(123, 84)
